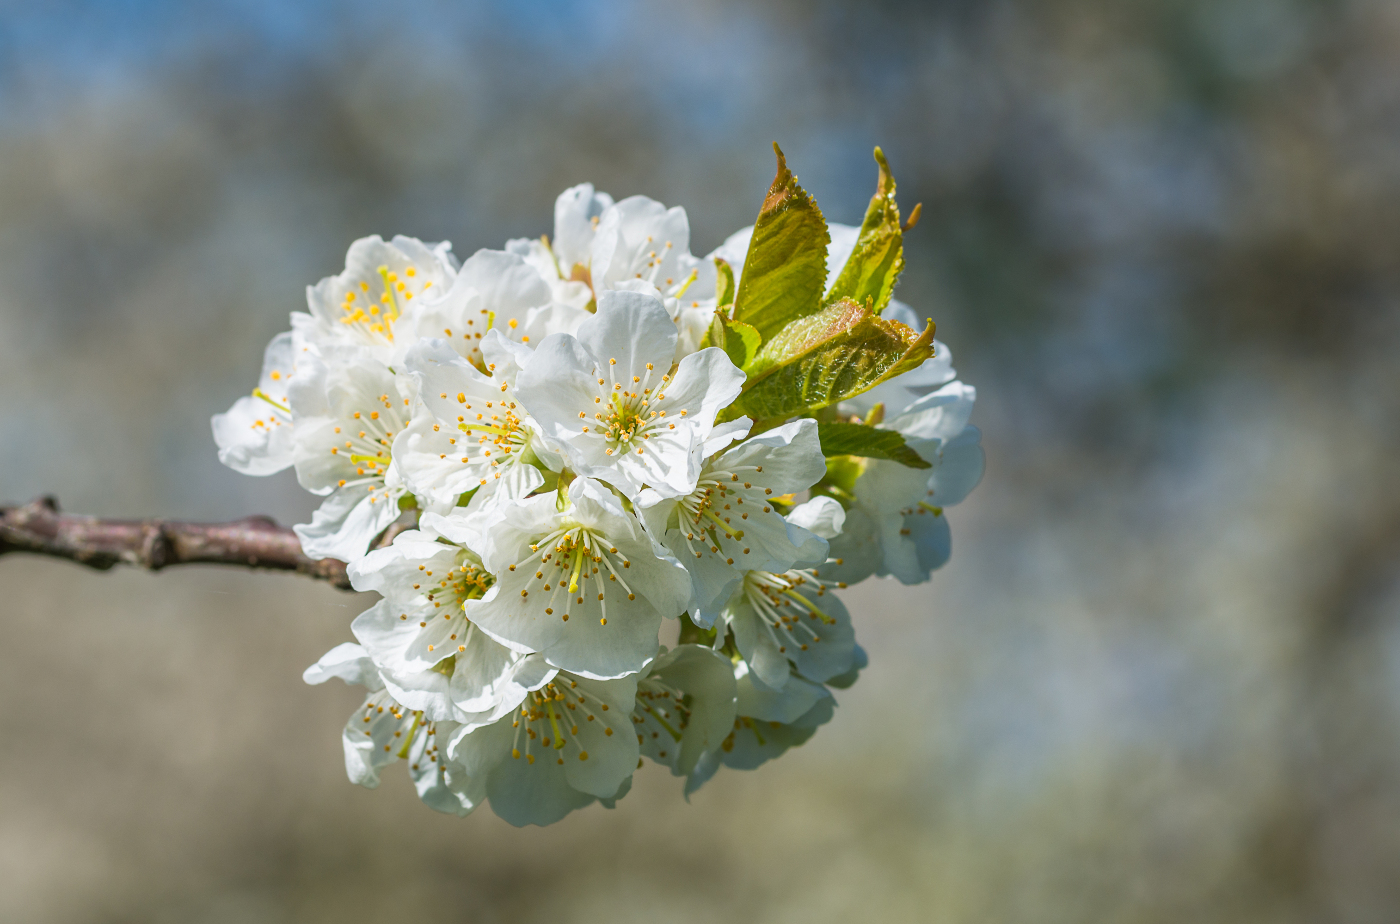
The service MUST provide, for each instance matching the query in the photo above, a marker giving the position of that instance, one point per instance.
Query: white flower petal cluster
(527, 456)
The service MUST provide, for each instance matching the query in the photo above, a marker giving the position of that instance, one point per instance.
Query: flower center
(374, 318)
(467, 581)
(498, 429)
(660, 709)
(574, 564)
(382, 713)
(629, 411)
(549, 719)
(782, 600)
(708, 512)
(365, 438)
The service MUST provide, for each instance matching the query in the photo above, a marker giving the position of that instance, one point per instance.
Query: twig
(255, 542)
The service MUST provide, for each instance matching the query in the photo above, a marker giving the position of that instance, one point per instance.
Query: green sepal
(873, 268)
(852, 439)
(724, 284)
(836, 354)
(691, 634)
(785, 269)
(739, 340)
(839, 482)
(561, 487)
(724, 306)
(408, 502)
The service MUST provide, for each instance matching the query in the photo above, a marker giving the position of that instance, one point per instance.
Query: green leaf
(873, 269)
(852, 439)
(814, 362)
(785, 270)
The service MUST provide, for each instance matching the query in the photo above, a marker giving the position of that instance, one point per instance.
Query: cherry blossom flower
(768, 723)
(494, 290)
(905, 505)
(345, 417)
(685, 705)
(430, 655)
(368, 302)
(469, 432)
(790, 617)
(579, 581)
(727, 525)
(383, 731)
(610, 401)
(568, 742)
(255, 435)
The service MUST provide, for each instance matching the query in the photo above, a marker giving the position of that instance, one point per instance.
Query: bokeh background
(1159, 680)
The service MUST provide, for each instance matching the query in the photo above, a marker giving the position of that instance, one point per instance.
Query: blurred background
(1159, 681)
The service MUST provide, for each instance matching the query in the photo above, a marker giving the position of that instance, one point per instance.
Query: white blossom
(639, 238)
(904, 504)
(637, 244)
(568, 742)
(345, 417)
(420, 636)
(383, 731)
(788, 620)
(366, 304)
(255, 435)
(494, 290)
(768, 723)
(469, 431)
(564, 262)
(685, 706)
(727, 524)
(610, 402)
(583, 585)
(547, 413)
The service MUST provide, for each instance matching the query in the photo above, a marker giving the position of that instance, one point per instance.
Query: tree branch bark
(253, 542)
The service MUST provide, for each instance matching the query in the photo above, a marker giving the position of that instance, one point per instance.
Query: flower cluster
(590, 434)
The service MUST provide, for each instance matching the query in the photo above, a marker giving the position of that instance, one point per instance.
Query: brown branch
(254, 542)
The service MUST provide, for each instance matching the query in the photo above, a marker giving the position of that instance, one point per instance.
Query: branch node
(156, 548)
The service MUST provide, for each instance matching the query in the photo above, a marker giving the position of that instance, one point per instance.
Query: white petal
(855, 554)
(484, 675)
(640, 238)
(756, 644)
(705, 383)
(347, 661)
(843, 244)
(783, 705)
(633, 329)
(611, 758)
(253, 437)
(347, 522)
(960, 467)
(721, 435)
(707, 678)
(823, 516)
(941, 414)
(575, 212)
